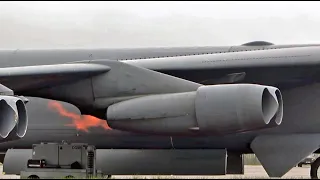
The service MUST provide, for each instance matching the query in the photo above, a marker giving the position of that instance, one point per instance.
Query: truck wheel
(33, 177)
(69, 177)
(314, 169)
(300, 165)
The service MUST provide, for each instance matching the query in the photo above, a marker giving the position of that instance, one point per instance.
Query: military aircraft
(178, 110)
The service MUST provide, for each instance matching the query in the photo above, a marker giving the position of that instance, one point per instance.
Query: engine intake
(211, 110)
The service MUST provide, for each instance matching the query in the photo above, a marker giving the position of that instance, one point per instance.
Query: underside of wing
(28, 78)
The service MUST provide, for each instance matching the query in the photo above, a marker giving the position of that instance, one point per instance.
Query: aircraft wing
(42, 76)
(271, 67)
(277, 67)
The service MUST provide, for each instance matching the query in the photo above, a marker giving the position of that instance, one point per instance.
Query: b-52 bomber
(178, 110)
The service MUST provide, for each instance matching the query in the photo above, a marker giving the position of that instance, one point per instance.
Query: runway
(251, 172)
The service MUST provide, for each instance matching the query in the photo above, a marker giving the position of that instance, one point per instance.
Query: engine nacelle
(211, 110)
(13, 117)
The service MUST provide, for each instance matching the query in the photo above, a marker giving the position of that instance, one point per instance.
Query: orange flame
(81, 122)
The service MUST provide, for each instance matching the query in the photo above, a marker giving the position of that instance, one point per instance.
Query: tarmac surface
(251, 172)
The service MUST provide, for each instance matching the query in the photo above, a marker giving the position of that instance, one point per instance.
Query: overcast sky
(110, 24)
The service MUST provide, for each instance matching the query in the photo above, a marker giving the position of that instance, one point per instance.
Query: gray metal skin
(211, 110)
(294, 70)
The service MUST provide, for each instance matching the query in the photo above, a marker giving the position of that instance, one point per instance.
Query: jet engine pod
(211, 110)
(237, 108)
(14, 118)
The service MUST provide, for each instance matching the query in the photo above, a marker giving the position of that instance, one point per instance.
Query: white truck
(62, 160)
